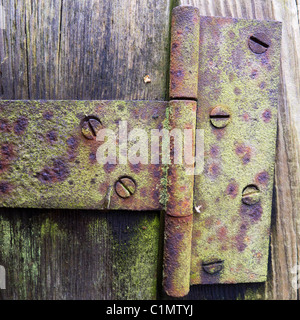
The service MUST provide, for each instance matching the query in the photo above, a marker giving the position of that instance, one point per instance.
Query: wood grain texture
(82, 49)
(285, 236)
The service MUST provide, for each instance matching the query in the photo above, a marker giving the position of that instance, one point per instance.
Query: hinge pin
(184, 68)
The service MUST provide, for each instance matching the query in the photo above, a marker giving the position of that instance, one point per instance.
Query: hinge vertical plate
(238, 88)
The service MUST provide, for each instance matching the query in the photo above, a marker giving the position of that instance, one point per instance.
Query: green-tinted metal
(231, 236)
(47, 162)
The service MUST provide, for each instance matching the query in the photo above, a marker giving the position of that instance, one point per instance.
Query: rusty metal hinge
(224, 79)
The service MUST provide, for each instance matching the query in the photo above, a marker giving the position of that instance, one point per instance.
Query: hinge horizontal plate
(46, 162)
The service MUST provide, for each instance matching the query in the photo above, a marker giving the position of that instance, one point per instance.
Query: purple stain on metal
(48, 115)
(253, 212)
(5, 187)
(262, 178)
(232, 189)
(52, 136)
(4, 126)
(57, 173)
(20, 125)
(267, 115)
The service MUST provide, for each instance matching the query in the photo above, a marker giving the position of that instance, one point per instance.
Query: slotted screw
(251, 195)
(125, 187)
(213, 267)
(90, 127)
(220, 117)
(259, 43)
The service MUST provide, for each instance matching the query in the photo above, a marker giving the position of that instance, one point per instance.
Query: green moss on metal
(54, 166)
(163, 199)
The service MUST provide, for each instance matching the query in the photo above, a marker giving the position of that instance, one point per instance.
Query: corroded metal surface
(180, 174)
(48, 152)
(184, 52)
(47, 162)
(179, 208)
(177, 255)
(234, 193)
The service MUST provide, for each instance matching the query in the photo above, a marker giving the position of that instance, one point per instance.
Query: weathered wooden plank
(83, 49)
(285, 234)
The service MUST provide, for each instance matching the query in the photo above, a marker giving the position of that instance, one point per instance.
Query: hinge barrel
(181, 114)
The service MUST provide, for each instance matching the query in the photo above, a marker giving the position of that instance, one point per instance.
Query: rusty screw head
(213, 267)
(259, 43)
(220, 117)
(90, 127)
(125, 187)
(251, 195)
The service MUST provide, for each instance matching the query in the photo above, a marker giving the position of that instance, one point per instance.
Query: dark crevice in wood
(27, 55)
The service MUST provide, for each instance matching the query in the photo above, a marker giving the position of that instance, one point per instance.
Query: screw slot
(251, 195)
(125, 187)
(90, 127)
(213, 267)
(220, 117)
(259, 43)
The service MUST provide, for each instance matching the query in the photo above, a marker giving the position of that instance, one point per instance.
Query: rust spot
(57, 173)
(267, 115)
(262, 85)
(4, 126)
(72, 147)
(92, 157)
(144, 193)
(218, 132)
(214, 151)
(232, 189)
(262, 178)
(237, 91)
(45, 175)
(175, 45)
(244, 153)
(7, 152)
(52, 136)
(5, 187)
(240, 238)
(254, 212)
(254, 74)
(155, 194)
(72, 143)
(136, 168)
(20, 125)
(3, 166)
(108, 168)
(214, 170)
(222, 234)
(246, 117)
(48, 115)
